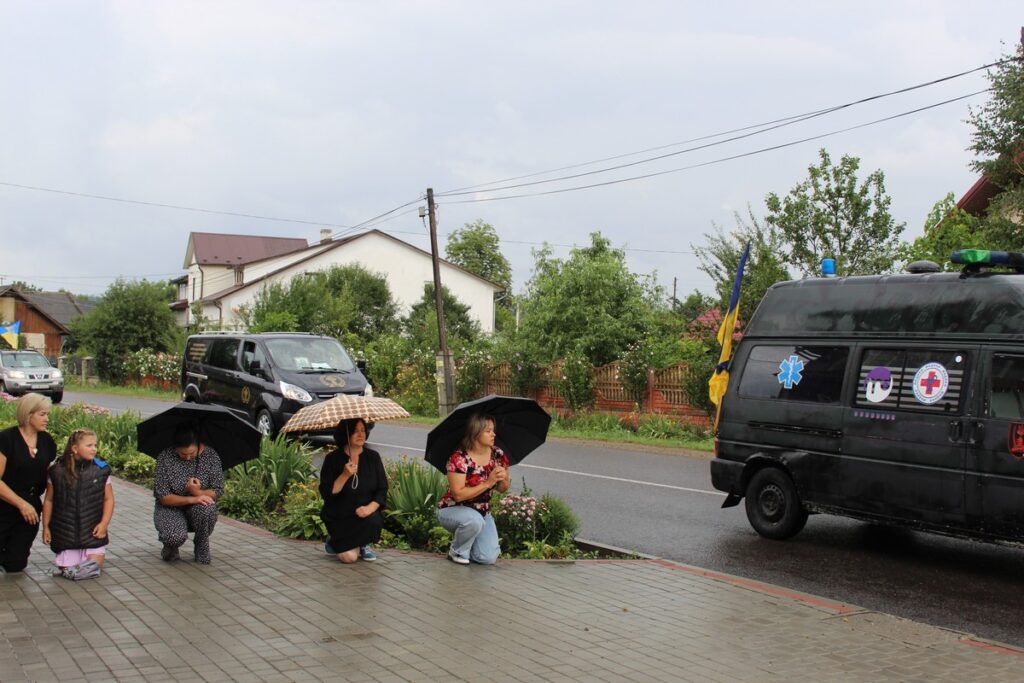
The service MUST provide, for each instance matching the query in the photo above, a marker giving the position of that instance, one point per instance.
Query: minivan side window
(924, 380)
(795, 373)
(1006, 400)
(251, 351)
(224, 354)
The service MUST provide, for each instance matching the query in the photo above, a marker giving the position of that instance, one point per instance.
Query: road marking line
(593, 476)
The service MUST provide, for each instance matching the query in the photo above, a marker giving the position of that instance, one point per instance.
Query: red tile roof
(212, 248)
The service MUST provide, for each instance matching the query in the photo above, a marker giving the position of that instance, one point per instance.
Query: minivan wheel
(265, 422)
(773, 506)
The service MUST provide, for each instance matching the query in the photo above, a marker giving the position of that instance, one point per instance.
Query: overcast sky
(336, 112)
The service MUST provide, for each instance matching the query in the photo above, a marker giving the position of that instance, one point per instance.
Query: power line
(721, 159)
(762, 128)
(551, 244)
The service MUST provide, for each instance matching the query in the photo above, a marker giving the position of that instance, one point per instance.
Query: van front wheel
(773, 506)
(265, 422)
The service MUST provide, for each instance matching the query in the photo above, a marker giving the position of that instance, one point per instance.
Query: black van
(267, 377)
(896, 399)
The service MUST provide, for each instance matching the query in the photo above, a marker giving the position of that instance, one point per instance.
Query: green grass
(75, 384)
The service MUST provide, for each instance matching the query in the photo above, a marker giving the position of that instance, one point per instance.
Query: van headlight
(295, 393)
(368, 391)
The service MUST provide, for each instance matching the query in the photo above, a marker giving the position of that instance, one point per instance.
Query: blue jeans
(473, 535)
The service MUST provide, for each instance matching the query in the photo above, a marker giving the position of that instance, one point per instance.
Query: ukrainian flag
(720, 379)
(10, 333)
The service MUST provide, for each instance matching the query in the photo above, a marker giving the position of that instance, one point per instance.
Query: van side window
(795, 373)
(224, 354)
(922, 380)
(1006, 400)
(252, 352)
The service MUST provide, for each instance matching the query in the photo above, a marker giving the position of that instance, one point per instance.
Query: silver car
(25, 371)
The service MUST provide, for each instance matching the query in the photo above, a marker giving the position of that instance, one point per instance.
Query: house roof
(976, 199)
(59, 307)
(211, 248)
(319, 248)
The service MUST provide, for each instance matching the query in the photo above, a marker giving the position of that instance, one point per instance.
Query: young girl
(79, 505)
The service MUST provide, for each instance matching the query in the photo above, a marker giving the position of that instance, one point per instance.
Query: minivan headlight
(295, 393)
(56, 374)
(368, 391)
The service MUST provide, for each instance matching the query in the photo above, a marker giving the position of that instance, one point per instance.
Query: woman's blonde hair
(31, 403)
(475, 426)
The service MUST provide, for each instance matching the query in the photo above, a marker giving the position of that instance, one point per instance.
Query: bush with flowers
(164, 367)
(576, 383)
(516, 517)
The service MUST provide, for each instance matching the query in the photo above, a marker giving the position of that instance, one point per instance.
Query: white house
(226, 272)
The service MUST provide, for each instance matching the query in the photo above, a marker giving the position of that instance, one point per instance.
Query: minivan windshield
(23, 359)
(316, 354)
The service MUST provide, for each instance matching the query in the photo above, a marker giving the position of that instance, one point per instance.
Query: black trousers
(16, 537)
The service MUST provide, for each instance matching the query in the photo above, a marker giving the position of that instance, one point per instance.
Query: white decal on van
(878, 384)
(930, 383)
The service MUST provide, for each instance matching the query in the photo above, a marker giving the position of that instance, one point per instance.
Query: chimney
(325, 235)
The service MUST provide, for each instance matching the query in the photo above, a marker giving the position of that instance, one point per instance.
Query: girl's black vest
(77, 505)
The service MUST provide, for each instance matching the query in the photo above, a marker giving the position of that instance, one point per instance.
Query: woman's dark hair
(185, 434)
(345, 429)
(475, 426)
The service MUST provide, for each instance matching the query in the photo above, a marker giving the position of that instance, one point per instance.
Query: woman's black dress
(346, 530)
(25, 474)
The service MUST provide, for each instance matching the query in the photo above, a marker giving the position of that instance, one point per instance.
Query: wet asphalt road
(661, 503)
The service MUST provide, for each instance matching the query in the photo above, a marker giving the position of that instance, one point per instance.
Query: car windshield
(23, 359)
(316, 354)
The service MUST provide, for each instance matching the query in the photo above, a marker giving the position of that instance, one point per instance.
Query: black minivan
(896, 399)
(267, 377)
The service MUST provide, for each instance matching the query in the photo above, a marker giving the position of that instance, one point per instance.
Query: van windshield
(309, 355)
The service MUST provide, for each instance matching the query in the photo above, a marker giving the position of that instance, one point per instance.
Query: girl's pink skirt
(76, 556)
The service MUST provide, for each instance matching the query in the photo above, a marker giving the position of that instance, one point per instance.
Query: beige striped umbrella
(327, 414)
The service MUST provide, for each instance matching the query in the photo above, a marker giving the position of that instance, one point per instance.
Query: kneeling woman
(354, 487)
(475, 469)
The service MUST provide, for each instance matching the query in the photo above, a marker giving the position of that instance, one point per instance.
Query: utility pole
(444, 406)
(675, 281)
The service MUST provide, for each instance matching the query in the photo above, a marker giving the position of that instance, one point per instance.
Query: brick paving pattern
(270, 609)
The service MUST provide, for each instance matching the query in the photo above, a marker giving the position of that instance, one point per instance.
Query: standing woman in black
(26, 451)
(354, 487)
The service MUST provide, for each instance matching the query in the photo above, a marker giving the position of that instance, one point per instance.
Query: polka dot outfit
(174, 522)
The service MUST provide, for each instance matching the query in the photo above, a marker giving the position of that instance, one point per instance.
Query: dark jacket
(77, 505)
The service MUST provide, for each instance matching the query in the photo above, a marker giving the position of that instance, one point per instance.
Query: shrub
(385, 356)
(246, 495)
(577, 381)
(527, 372)
(149, 363)
(281, 463)
(556, 520)
(634, 364)
(301, 513)
(470, 373)
(414, 490)
(140, 468)
(516, 518)
(416, 387)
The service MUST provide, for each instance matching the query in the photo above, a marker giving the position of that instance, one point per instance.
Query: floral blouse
(461, 463)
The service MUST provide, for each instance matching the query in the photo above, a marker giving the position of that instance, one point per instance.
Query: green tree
(25, 287)
(830, 215)
(946, 229)
(340, 301)
(130, 316)
(421, 323)
(720, 256)
(589, 302)
(477, 248)
(998, 142)
(693, 306)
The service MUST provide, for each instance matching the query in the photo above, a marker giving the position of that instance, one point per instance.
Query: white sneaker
(455, 558)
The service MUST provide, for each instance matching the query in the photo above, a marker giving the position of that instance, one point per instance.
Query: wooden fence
(665, 393)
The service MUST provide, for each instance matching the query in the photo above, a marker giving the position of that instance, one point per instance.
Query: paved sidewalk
(269, 609)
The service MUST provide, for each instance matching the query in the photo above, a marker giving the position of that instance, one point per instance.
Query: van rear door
(904, 433)
(995, 467)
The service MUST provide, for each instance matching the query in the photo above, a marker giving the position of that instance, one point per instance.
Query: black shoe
(169, 553)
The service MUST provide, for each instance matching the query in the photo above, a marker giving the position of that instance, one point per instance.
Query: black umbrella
(234, 439)
(520, 425)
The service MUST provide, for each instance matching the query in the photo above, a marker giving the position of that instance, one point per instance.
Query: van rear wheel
(773, 506)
